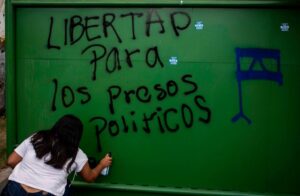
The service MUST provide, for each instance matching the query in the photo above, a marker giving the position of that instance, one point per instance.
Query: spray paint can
(105, 171)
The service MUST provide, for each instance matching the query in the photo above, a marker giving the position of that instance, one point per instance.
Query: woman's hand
(90, 175)
(106, 161)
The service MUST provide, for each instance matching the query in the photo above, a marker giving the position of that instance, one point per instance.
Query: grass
(2, 142)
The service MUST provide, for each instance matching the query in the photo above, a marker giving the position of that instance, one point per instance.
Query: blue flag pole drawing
(257, 55)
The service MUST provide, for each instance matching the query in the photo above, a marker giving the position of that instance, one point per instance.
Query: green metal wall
(158, 85)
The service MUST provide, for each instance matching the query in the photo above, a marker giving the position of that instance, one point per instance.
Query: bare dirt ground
(2, 142)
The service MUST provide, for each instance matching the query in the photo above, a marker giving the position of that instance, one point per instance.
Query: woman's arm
(13, 159)
(90, 175)
(19, 152)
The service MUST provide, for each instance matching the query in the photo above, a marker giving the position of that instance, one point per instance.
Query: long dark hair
(61, 142)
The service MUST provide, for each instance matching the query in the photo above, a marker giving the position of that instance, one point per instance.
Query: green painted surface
(167, 125)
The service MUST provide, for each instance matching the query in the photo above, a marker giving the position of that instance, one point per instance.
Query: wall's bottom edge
(129, 189)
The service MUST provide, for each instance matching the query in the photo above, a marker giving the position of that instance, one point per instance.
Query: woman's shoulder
(81, 153)
(80, 160)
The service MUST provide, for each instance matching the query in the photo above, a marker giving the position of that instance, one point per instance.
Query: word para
(112, 60)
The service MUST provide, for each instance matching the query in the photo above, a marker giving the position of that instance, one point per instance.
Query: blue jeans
(13, 188)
